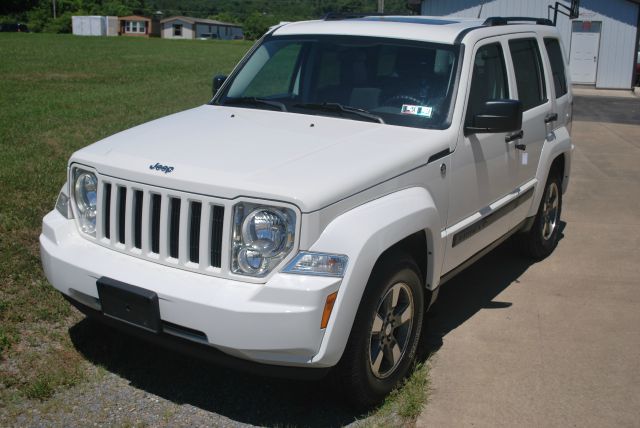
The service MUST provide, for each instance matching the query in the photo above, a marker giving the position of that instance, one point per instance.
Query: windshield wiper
(337, 107)
(254, 101)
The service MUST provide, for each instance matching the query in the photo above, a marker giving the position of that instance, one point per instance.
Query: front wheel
(544, 235)
(382, 345)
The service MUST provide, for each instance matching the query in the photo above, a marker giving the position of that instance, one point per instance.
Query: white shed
(601, 44)
(94, 25)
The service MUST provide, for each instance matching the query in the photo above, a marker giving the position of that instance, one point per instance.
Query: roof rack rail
(504, 20)
(338, 16)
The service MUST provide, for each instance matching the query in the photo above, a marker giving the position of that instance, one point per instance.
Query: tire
(383, 341)
(542, 239)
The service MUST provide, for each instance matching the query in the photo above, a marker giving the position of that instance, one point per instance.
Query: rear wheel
(382, 345)
(543, 237)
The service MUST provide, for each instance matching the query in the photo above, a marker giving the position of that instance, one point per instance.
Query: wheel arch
(555, 154)
(560, 164)
(414, 245)
(408, 221)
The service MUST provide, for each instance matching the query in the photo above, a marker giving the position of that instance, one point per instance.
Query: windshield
(381, 80)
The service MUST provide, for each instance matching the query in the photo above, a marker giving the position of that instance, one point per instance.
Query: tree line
(256, 16)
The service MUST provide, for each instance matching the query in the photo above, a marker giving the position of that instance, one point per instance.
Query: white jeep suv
(305, 218)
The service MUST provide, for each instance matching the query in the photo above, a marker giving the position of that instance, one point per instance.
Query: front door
(585, 45)
(482, 169)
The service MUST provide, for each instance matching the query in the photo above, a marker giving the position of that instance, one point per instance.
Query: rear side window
(557, 66)
(489, 80)
(527, 65)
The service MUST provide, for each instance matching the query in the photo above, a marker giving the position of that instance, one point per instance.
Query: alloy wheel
(550, 211)
(391, 330)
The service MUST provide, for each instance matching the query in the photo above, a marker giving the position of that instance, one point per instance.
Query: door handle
(515, 136)
(551, 117)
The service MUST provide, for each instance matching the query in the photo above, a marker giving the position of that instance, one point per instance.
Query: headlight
(85, 196)
(262, 238)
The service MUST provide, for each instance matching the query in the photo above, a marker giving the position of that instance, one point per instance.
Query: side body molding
(560, 144)
(363, 234)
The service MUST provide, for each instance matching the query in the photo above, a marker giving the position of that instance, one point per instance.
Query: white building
(185, 27)
(94, 25)
(601, 43)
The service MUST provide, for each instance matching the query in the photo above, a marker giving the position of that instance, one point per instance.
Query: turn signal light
(328, 307)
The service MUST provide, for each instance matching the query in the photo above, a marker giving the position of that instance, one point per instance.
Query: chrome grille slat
(164, 227)
(183, 232)
(169, 227)
(205, 236)
(146, 222)
(113, 220)
(128, 218)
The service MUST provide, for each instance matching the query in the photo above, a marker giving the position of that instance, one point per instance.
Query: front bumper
(274, 323)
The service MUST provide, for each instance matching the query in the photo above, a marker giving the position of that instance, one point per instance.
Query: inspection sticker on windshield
(423, 111)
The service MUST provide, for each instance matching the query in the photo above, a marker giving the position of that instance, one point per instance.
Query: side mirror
(218, 81)
(496, 116)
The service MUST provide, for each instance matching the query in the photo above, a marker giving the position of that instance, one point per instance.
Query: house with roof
(138, 26)
(186, 27)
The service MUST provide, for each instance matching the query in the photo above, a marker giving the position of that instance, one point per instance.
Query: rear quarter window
(557, 66)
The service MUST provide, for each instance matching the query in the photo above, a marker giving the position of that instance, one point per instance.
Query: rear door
(560, 86)
(532, 89)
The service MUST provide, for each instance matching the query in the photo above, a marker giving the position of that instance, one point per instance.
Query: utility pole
(380, 6)
(54, 9)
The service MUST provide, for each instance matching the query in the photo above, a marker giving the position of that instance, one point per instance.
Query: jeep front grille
(170, 227)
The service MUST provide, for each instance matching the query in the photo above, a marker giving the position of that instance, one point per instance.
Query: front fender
(363, 234)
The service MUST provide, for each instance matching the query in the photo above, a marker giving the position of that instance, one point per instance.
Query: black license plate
(128, 303)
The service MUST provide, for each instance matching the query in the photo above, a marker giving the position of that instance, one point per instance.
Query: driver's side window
(489, 80)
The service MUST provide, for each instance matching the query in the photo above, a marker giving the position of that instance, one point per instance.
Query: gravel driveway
(139, 384)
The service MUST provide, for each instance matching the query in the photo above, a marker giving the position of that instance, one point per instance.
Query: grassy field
(60, 93)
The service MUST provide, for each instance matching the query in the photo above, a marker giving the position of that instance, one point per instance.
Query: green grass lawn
(60, 93)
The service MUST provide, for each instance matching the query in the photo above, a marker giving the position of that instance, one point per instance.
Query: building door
(585, 46)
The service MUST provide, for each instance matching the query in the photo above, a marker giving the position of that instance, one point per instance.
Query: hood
(226, 152)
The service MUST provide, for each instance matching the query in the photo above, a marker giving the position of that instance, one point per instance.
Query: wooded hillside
(255, 15)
